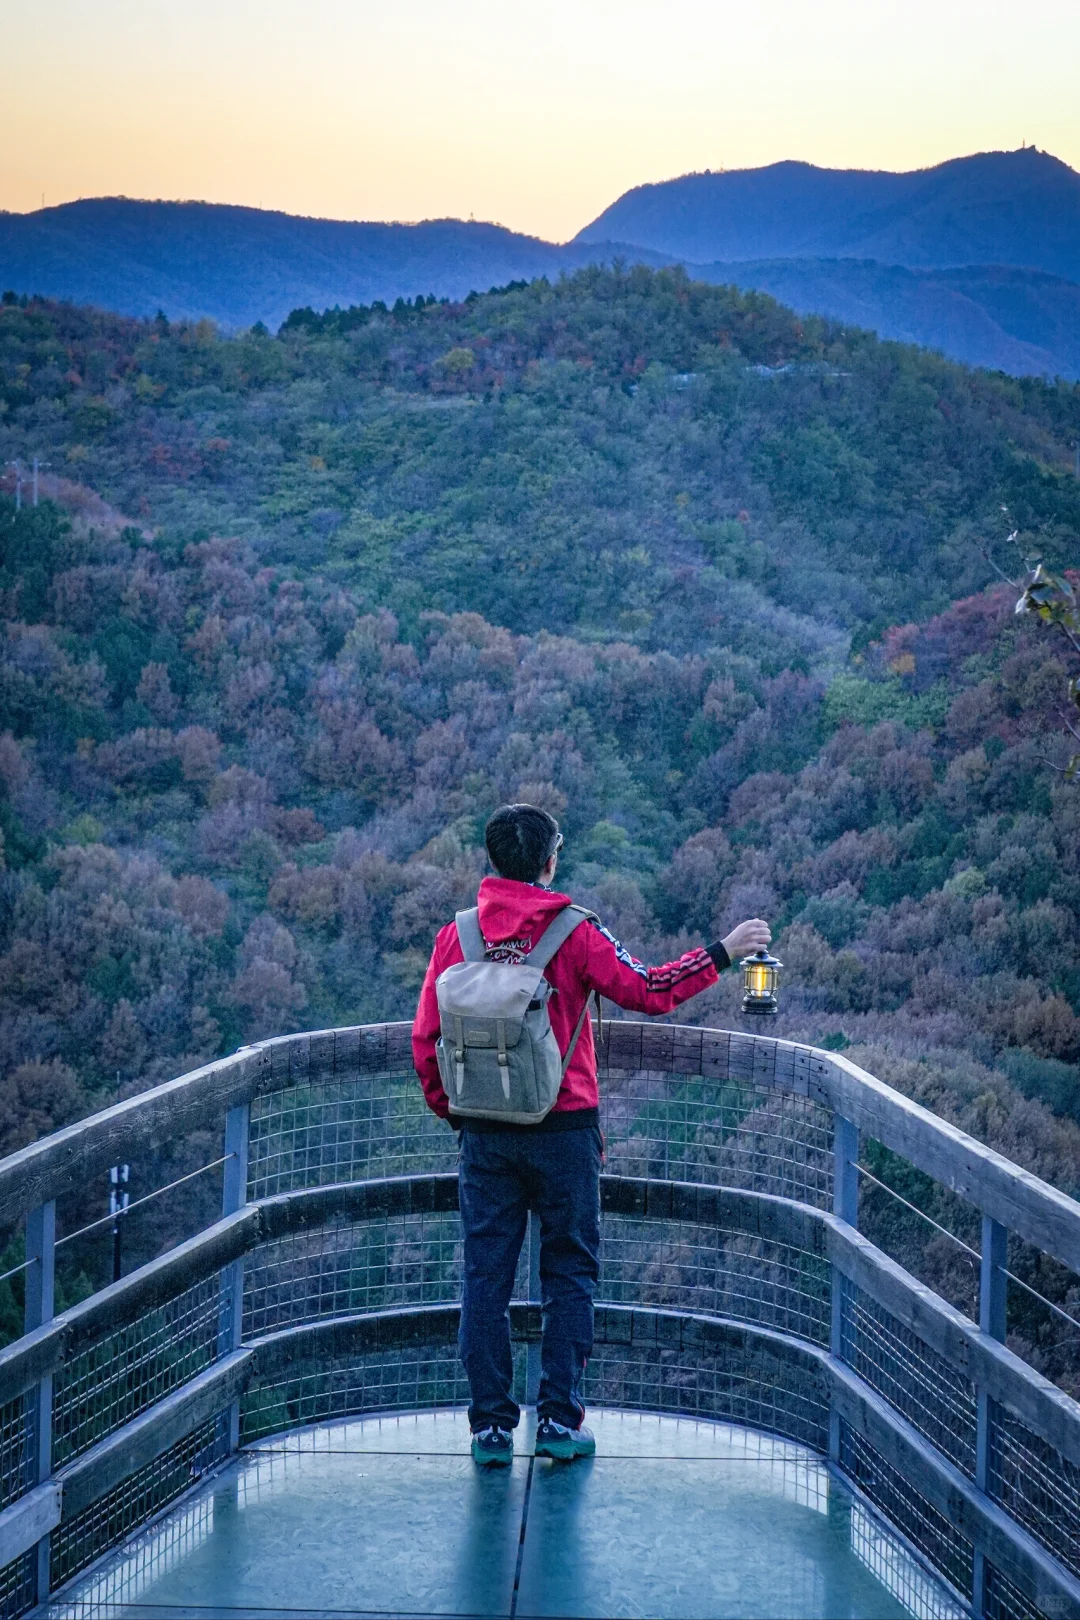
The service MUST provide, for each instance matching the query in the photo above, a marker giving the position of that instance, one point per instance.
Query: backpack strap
(469, 936)
(574, 1037)
(556, 933)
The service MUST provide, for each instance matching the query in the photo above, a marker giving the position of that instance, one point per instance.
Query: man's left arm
(630, 984)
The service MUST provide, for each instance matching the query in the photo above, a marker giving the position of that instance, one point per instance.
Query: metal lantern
(760, 973)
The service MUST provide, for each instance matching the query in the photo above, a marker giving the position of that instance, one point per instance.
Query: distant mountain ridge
(1009, 208)
(239, 265)
(978, 257)
(997, 316)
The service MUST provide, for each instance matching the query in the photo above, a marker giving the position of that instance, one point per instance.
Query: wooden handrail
(1039, 1213)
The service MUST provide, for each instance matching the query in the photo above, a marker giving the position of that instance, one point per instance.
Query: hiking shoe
(493, 1447)
(563, 1444)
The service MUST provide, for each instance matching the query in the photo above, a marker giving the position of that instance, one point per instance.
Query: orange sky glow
(536, 117)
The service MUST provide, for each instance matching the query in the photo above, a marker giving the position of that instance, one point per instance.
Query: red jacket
(512, 918)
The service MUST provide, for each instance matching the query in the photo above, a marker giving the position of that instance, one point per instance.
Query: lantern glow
(760, 975)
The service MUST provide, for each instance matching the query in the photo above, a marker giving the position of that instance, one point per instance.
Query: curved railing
(735, 1284)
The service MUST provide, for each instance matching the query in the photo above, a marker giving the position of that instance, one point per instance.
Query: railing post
(845, 1170)
(40, 1308)
(993, 1282)
(532, 1350)
(993, 1294)
(845, 1208)
(234, 1197)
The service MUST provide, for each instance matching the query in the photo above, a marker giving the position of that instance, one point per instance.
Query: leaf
(1051, 599)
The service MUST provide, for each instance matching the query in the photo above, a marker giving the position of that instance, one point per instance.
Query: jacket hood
(516, 913)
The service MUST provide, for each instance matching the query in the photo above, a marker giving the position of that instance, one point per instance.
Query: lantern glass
(760, 977)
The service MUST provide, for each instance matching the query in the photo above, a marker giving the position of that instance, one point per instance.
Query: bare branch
(991, 561)
(1070, 726)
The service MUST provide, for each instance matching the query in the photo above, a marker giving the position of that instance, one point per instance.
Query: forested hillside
(700, 577)
(633, 453)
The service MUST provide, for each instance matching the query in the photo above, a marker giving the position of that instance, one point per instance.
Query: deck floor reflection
(388, 1516)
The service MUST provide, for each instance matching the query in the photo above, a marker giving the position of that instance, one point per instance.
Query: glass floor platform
(389, 1516)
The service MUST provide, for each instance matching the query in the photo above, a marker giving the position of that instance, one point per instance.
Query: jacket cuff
(720, 957)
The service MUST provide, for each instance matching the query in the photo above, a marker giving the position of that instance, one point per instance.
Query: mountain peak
(1020, 207)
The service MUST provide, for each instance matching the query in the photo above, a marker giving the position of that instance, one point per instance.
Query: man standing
(552, 1167)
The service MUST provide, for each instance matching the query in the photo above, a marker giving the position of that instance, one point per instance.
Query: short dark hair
(520, 841)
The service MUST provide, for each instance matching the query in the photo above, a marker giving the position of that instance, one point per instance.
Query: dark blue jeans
(501, 1176)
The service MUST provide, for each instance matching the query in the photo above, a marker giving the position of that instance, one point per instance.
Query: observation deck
(268, 1416)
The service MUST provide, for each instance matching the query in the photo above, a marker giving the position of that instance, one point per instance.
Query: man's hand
(746, 938)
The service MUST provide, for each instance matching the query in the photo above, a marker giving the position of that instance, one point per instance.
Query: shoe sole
(491, 1459)
(563, 1450)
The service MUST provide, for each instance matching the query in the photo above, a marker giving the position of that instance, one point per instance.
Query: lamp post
(761, 973)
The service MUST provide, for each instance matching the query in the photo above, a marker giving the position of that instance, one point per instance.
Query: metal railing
(735, 1285)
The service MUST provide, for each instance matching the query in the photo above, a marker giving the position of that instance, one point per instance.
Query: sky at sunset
(536, 116)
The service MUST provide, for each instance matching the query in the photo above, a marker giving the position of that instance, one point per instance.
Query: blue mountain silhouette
(978, 257)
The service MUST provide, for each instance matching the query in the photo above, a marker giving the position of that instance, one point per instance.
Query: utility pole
(118, 1203)
(1076, 449)
(18, 483)
(39, 467)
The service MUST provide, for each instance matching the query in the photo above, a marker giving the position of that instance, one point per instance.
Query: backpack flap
(498, 1055)
(483, 1005)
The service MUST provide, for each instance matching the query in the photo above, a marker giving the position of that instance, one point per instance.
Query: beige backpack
(497, 1053)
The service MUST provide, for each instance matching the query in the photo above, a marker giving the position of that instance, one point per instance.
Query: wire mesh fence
(716, 1271)
(17, 1586)
(114, 1591)
(123, 1374)
(899, 1572)
(1036, 1485)
(350, 1266)
(16, 1449)
(935, 1397)
(927, 1529)
(750, 1383)
(753, 1384)
(392, 1262)
(667, 1126)
(348, 1128)
(1004, 1601)
(721, 1132)
(106, 1522)
(406, 1379)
